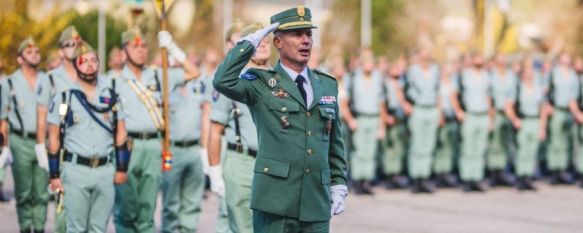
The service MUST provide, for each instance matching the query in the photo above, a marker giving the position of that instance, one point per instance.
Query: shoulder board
(324, 74)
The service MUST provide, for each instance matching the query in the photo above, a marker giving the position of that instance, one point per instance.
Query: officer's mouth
(304, 52)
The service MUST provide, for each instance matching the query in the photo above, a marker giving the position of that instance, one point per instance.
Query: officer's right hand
(256, 37)
(352, 125)
(517, 123)
(120, 178)
(217, 182)
(57, 185)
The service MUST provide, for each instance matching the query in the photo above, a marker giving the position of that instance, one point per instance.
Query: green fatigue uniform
(58, 81)
(563, 89)
(88, 170)
(423, 86)
(239, 159)
(183, 186)
(30, 181)
(301, 150)
(135, 201)
(448, 136)
(501, 141)
(527, 103)
(366, 96)
(396, 140)
(475, 91)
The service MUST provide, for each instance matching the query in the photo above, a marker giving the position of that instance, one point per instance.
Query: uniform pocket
(286, 113)
(328, 116)
(272, 167)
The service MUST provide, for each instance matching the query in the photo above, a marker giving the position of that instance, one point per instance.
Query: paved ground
(551, 209)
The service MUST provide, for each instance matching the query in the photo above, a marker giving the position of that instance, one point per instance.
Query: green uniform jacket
(296, 163)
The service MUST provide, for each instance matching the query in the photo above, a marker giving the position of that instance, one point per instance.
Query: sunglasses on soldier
(69, 44)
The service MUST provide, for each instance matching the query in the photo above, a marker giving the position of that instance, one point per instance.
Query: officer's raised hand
(256, 37)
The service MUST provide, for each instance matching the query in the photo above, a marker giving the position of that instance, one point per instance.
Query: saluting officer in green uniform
(30, 180)
(503, 83)
(562, 96)
(447, 149)
(140, 91)
(59, 79)
(474, 88)
(524, 109)
(234, 119)
(423, 85)
(364, 90)
(300, 171)
(183, 186)
(86, 122)
(396, 141)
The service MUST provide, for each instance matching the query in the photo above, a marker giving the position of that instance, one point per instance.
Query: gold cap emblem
(301, 11)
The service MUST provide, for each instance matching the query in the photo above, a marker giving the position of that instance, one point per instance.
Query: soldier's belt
(562, 109)
(184, 144)
(24, 135)
(143, 136)
(89, 162)
(478, 113)
(356, 114)
(425, 106)
(530, 117)
(239, 149)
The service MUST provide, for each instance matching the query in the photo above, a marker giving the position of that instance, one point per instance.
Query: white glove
(256, 37)
(41, 156)
(337, 195)
(205, 160)
(217, 182)
(165, 41)
(5, 156)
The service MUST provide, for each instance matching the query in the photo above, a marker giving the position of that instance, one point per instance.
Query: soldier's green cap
(70, 33)
(133, 34)
(82, 48)
(294, 18)
(27, 43)
(236, 27)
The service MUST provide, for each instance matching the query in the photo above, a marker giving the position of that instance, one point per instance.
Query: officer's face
(87, 63)
(30, 56)
(263, 52)
(294, 45)
(68, 48)
(137, 51)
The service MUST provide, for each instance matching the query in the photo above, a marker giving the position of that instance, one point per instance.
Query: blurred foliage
(344, 31)
(17, 24)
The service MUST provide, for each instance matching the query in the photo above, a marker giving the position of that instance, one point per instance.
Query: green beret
(70, 33)
(82, 49)
(133, 34)
(27, 43)
(294, 18)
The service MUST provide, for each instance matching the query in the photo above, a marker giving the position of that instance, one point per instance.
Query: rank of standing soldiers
(408, 123)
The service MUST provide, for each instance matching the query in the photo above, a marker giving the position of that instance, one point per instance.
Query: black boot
(554, 179)
(493, 178)
(505, 179)
(357, 187)
(525, 184)
(416, 187)
(447, 180)
(467, 186)
(367, 188)
(480, 186)
(565, 178)
(390, 184)
(427, 186)
(3, 198)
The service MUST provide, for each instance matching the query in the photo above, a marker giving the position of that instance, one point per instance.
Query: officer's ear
(277, 40)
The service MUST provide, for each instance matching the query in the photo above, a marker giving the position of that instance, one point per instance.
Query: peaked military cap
(294, 18)
(70, 33)
(133, 34)
(27, 43)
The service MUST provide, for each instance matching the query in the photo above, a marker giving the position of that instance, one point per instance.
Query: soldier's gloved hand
(41, 156)
(165, 41)
(256, 37)
(5, 156)
(217, 182)
(337, 195)
(205, 160)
